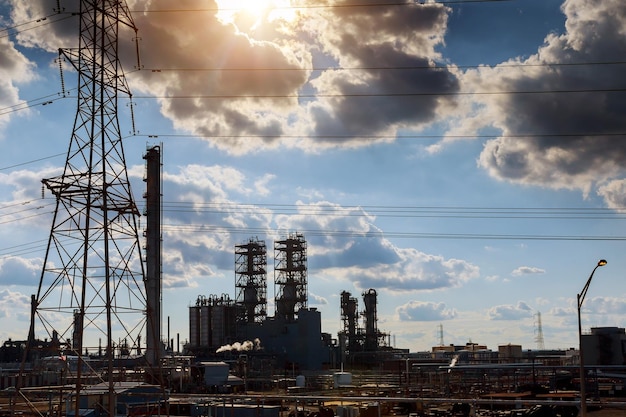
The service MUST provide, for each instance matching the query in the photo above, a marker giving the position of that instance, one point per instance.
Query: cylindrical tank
(205, 325)
(300, 381)
(342, 379)
(194, 330)
(217, 326)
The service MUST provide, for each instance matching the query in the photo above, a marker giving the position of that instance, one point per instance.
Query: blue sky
(484, 196)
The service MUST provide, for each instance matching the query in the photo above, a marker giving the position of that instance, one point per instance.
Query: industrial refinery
(292, 338)
(95, 344)
(240, 351)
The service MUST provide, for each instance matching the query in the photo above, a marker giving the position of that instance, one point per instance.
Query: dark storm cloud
(572, 114)
(395, 82)
(223, 83)
(250, 89)
(391, 102)
(209, 78)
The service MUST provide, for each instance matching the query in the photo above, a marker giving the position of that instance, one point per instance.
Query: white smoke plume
(240, 347)
(453, 362)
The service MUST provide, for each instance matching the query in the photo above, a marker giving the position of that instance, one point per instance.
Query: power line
(44, 21)
(366, 95)
(442, 212)
(385, 68)
(62, 15)
(19, 212)
(461, 212)
(201, 228)
(41, 101)
(24, 248)
(402, 211)
(398, 137)
(50, 98)
(32, 161)
(48, 19)
(415, 3)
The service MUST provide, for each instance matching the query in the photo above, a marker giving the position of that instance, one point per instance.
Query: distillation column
(350, 317)
(370, 320)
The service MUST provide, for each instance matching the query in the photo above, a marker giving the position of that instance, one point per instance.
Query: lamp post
(580, 298)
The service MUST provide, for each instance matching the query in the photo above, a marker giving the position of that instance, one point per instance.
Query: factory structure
(221, 326)
(362, 345)
(98, 305)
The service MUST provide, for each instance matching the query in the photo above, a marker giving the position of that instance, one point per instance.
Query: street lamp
(580, 298)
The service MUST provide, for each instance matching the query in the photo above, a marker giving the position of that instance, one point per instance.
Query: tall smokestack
(153, 255)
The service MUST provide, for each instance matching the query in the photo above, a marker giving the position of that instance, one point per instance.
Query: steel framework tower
(251, 280)
(290, 276)
(91, 286)
(539, 336)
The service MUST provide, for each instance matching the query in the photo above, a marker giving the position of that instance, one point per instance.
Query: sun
(256, 11)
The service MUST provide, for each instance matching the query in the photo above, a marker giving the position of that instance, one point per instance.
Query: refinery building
(292, 337)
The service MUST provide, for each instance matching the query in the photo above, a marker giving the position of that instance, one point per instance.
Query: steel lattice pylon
(91, 289)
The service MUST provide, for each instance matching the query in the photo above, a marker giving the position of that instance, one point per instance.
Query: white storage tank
(300, 381)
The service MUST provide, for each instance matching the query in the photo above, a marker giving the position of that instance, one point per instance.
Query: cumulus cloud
(354, 249)
(317, 299)
(397, 84)
(614, 194)
(424, 311)
(15, 69)
(527, 270)
(20, 271)
(25, 185)
(247, 87)
(605, 305)
(14, 306)
(562, 112)
(414, 271)
(510, 312)
(203, 222)
(561, 312)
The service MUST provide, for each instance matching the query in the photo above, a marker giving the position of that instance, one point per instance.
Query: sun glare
(256, 10)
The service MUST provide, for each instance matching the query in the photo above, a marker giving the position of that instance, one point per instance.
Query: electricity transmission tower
(91, 288)
(539, 332)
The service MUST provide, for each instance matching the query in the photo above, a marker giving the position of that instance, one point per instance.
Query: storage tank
(194, 323)
(341, 379)
(300, 381)
(205, 325)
